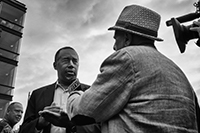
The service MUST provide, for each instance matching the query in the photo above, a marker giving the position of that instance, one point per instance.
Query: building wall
(12, 14)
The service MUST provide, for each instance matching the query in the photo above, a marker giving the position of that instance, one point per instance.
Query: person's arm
(197, 112)
(33, 123)
(108, 94)
(56, 116)
(5, 127)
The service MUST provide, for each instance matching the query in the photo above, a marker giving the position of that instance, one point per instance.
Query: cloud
(74, 16)
(172, 7)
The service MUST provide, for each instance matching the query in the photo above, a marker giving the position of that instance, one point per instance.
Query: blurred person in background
(12, 117)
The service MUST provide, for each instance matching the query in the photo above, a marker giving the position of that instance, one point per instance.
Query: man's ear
(54, 66)
(128, 39)
(7, 113)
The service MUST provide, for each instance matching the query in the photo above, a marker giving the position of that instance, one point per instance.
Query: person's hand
(196, 27)
(41, 123)
(56, 116)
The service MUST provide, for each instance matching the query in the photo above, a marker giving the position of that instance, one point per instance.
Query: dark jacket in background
(39, 99)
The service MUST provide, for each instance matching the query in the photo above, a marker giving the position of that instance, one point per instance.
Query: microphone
(185, 18)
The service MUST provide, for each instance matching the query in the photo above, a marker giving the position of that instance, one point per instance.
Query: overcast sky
(83, 24)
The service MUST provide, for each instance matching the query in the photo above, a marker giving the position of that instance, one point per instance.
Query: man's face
(119, 37)
(67, 64)
(15, 113)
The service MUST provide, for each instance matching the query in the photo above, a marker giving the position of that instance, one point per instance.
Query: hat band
(136, 28)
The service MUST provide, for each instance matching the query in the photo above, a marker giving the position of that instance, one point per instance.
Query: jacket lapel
(49, 94)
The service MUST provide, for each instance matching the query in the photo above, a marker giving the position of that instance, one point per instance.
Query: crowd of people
(138, 89)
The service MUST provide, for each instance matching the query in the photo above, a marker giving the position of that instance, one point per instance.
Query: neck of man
(9, 122)
(66, 84)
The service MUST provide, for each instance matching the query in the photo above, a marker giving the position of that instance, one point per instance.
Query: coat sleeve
(110, 91)
(30, 118)
(197, 112)
(31, 115)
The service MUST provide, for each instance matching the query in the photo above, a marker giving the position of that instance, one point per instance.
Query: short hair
(11, 105)
(57, 53)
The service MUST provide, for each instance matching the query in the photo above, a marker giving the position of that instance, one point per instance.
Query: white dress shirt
(60, 99)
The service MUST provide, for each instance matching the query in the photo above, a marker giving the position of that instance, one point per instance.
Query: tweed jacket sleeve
(110, 91)
(138, 90)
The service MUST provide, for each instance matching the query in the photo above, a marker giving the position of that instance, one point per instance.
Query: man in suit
(66, 64)
(138, 90)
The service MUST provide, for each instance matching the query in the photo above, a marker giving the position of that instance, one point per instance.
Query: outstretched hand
(56, 116)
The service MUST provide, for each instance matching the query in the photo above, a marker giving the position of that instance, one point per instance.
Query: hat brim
(135, 32)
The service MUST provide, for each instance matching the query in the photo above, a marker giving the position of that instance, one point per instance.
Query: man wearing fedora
(138, 90)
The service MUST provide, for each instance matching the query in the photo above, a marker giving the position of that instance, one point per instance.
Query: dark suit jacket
(39, 99)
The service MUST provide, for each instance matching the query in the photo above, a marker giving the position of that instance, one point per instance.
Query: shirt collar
(71, 87)
(60, 86)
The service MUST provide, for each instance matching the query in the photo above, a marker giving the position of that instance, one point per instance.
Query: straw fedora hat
(139, 20)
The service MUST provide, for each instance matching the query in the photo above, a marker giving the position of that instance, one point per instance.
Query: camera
(183, 33)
